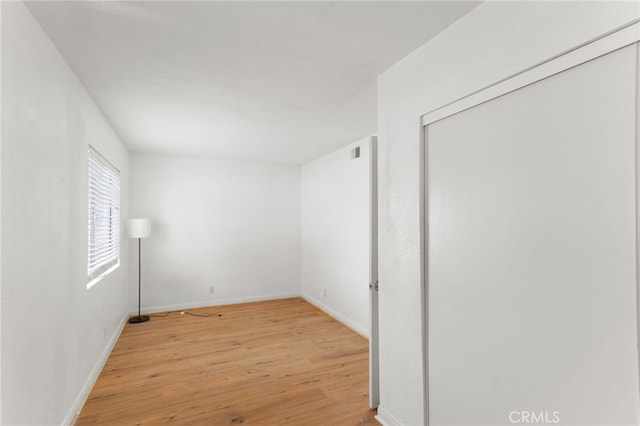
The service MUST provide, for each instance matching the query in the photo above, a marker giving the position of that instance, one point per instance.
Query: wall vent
(355, 153)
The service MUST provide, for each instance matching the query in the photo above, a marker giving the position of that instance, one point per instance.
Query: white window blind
(104, 215)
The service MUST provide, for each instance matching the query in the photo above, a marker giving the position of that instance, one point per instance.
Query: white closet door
(532, 253)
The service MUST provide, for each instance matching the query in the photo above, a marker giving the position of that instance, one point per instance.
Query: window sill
(99, 278)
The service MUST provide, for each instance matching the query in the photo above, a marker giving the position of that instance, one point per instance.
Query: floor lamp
(139, 228)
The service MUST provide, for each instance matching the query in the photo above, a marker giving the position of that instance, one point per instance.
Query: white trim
(207, 303)
(80, 400)
(638, 203)
(374, 317)
(99, 278)
(424, 266)
(622, 37)
(385, 418)
(337, 316)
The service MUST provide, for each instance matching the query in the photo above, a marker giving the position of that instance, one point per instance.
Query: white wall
(0, 228)
(494, 41)
(54, 330)
(234, 226)
(335, 235)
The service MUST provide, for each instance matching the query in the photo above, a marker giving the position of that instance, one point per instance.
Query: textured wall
(493, 41)
(335, 235)
(54, 330)
(234, 226)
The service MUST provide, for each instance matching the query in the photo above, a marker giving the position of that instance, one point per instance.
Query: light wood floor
(265, 363)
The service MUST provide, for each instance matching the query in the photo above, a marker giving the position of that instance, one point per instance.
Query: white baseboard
(337, 316)
(215, 302)
(93, 375)
(385, 418)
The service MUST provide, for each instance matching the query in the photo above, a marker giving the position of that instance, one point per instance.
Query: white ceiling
(282, 82)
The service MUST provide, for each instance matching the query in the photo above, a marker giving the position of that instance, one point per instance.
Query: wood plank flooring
(265, 363)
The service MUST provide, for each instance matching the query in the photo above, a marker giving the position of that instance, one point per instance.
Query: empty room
(320, 213)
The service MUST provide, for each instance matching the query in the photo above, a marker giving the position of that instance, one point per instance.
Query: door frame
(374, 344)
(623, 36)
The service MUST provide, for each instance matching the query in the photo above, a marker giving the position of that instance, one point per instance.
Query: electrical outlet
(324, 292)
(212, 290)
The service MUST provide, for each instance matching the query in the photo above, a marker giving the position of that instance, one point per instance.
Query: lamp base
(138, 319)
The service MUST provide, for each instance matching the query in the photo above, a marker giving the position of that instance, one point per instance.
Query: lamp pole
(139, 228)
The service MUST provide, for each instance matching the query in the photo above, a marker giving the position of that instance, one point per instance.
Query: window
(104, 217)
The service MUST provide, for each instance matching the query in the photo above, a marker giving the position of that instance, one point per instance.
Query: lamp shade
(140, 228)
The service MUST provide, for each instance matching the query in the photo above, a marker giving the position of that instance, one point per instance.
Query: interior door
(531, 259)
(374, 379)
